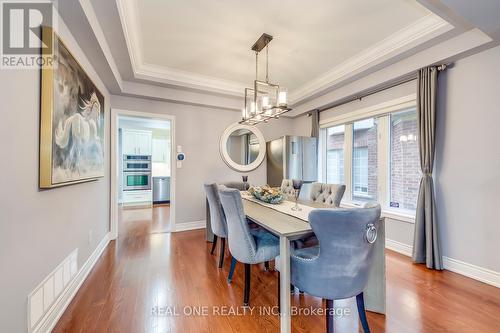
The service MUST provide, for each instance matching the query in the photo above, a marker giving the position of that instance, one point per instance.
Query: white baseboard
(50, 320)
(474, 272)
(190, 225)
(453, 265)
(398, 247)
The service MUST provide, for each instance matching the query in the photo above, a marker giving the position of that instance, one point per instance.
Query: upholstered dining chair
(338, 268)
(237, 185)
(217, 219)
(210, 236)
(328, 194)
(246, 246)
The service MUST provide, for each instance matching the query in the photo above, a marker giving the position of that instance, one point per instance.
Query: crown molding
(130, 31)
(419, 32)
(189, 80)
(91, 16)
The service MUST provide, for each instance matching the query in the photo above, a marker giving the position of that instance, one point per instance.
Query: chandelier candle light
(265, 100)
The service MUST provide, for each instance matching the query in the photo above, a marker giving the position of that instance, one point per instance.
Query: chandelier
(265, 100)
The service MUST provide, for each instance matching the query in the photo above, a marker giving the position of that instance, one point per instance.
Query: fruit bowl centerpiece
(267, 194)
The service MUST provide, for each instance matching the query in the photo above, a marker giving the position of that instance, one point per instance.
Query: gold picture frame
(71, 120)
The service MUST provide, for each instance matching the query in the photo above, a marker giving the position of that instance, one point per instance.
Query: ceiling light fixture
(265, 100)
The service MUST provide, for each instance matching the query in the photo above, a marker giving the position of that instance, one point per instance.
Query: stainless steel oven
(136, 172)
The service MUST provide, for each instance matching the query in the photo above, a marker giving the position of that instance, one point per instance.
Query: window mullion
(383, 160)
(348, 161)
(322, 155)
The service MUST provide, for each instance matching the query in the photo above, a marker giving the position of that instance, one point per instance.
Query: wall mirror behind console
(242, 147)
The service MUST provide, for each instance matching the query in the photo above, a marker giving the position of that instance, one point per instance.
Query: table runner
(284, 207)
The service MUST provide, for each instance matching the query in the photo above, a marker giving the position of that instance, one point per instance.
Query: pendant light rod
(256, 65)
(267, 63)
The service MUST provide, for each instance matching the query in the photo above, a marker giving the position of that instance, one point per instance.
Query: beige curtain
(426, 246)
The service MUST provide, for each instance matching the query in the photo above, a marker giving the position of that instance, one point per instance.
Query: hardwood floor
(147, 279)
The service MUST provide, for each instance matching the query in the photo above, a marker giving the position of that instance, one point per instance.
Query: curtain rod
(368, 92)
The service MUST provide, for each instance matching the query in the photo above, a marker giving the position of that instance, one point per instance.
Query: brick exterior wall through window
(404, 159)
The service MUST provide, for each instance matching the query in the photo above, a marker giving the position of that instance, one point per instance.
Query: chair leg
(231, 270)
(360, 302)
(329, 316)
(214, 244)
(222, 251)
(246, 296)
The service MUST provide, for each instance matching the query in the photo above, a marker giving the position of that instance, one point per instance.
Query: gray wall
(38, 229)
(468, 160)
(198, 130)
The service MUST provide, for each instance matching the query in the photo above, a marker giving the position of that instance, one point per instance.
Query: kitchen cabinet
(136, 142)
(138, 198)
(161, 150)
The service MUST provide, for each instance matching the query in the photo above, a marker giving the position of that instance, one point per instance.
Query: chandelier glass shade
(265, 100)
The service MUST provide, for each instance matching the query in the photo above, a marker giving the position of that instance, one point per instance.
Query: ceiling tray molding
(415, 34)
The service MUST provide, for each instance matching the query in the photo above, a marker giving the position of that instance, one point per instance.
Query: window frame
(380, 112)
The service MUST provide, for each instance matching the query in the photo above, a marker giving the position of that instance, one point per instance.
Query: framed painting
(71, 121)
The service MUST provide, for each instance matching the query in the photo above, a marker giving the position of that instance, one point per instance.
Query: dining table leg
(285, 301)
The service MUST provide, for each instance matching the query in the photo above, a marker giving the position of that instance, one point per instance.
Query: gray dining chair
(328, 194)
(210, 236)
(242, 186)
(246, 246)
(339, 267)
(217, 219)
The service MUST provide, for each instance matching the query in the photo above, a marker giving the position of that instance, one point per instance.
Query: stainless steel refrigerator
(292, 157)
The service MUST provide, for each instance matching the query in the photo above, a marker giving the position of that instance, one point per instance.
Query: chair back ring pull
(371, 233)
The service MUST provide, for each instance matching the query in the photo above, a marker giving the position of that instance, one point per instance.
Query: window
(377, 158)
(364, 160)
(335, 155)
(405, 171)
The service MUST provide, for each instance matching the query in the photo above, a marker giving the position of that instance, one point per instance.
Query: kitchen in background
(145, 146)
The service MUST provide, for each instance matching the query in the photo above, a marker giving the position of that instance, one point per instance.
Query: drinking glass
(297, 184)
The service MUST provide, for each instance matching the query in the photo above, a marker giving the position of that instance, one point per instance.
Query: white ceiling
(213, 38)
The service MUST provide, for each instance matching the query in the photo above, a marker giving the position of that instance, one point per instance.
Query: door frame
(115, 175)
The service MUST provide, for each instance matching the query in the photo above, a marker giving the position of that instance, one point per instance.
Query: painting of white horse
(77, 127)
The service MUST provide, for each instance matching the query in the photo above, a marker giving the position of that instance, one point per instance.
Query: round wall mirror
(242, 147)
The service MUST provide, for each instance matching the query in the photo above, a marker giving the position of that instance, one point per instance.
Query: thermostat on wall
(180, 156)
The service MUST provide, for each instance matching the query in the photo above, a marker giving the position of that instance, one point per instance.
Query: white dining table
(290, 225)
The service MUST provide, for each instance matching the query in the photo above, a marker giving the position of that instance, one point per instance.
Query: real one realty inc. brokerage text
(225, 310)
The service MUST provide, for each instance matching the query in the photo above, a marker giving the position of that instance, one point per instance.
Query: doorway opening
(142, 171)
